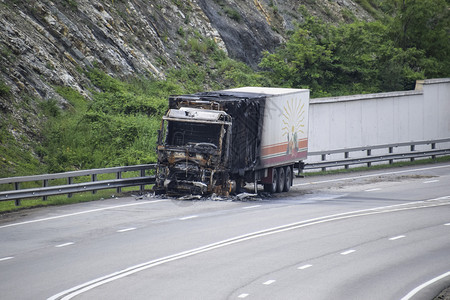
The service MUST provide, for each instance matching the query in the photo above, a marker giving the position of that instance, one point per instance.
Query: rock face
(250, 27)
(46, 43)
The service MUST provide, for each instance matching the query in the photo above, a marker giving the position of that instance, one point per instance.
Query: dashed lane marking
(304, 267)
(431, 181)
(64, 245)
(82, 213)
(6, 258)
(188, 218)
(249, 207)
(397, 237)
(242, 296)
(372, 190)
(269, 282)
(127, 229)
(86, 286)
(348, 252)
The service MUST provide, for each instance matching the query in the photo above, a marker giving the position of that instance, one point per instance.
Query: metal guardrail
(71, 187)
(369, 158)
(48, 190)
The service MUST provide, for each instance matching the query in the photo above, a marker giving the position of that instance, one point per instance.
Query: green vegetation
(232, 14)
(424, 25)
(118, 125)
(14, 159)
(117, 128)
(4, 90)
(72, 4)
(365, 57)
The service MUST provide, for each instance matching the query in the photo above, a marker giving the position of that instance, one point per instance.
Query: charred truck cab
(214, 142)
(193, 151)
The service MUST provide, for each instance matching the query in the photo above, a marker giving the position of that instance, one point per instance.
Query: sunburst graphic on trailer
(293, 124)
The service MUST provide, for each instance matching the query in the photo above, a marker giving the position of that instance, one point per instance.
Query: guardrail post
(45, 184)
(369, 153)
(119, 176)
(391, 150)
(69, 181)
(433, 146)
(413, 148)
(301, 167)
(16, 187)
(346, 155)
(324, 158)
(142, 187)
(94, 178)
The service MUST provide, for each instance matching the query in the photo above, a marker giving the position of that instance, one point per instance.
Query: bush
(4, 89)
(341, 60)
(118, 127)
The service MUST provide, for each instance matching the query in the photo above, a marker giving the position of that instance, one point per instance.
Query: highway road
(368, 235)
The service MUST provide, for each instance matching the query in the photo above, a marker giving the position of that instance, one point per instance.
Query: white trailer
(217, 141)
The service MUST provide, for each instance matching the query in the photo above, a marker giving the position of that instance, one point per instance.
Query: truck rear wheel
(288, 180)
(281, 180)
(272, 187)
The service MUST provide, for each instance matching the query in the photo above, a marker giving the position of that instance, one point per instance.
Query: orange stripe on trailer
(281, 147)
(303, 144)
(273, 149)
(273, 161)
(277, 144)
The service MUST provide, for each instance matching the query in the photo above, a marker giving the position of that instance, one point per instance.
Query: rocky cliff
(46, 44)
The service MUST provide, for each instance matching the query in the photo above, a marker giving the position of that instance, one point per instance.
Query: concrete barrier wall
(384, 118)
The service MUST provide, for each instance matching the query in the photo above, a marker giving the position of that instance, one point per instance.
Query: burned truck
(216, 142)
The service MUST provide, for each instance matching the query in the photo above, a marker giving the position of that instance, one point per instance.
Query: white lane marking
(304, 267)
(424, 285)
(84, 287)
(268, 282)
(397, 237)
(372, 190)
(253, 206)
(348, 252)
(64, 245)
(324, 198)
(431, 181)
(242, 296)
(372, 175)
(81, 213)
(126, 229)
(188, 218)
(448, 224)
(6, 258)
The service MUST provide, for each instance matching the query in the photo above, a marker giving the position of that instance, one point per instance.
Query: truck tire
(272, 187)
(288, 180)
(281, 180)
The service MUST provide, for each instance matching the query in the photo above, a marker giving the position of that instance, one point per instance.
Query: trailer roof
(252, 94)
(265, 90)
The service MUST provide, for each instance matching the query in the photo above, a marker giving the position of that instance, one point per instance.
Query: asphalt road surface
(372, 235)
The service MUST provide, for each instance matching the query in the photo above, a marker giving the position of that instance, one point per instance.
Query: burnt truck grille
(185, 176)
(187, 172)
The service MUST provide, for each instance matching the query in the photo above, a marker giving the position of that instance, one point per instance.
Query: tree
(341, 60)
(424, 25)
